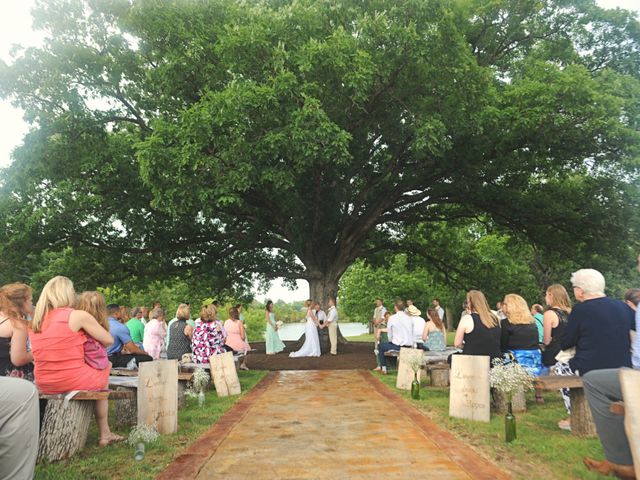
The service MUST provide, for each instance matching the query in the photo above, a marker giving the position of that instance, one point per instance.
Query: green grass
(368, 337)
(541, 451)
(116, 461)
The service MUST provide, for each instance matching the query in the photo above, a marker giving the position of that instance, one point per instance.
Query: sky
(15, 28)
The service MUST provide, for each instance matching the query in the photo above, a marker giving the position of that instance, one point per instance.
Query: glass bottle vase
(509, 424)
(415, 387)
(138, 453)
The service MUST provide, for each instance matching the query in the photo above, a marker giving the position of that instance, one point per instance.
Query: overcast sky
(15, 28)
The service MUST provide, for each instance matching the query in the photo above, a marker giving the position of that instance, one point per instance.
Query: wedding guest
(135, 326)
(436, 305)
(15, 308)
(332, 325)
(594, 315)
(19, 405)
(519, 333)
(144, 311)
(378, 315)
(237, 336)
(95, 354)
(538, 314)
(180, 333)
(418, 324)
(58, 334)
(478, 332)
(123, 350)
(320, 314)
(273, 344)
(184, 310)
(240, 309)
(154, 333)
(208, 337)
(434, 335)
(400, 333)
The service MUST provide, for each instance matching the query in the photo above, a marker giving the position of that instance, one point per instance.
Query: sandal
(113, 438)
(244, 367)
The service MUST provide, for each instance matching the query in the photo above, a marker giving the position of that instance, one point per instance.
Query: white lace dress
(311, 346)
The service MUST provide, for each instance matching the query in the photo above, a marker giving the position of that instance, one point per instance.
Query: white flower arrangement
(279, 324)
(142, 434)
(510, 378)
(199, 382)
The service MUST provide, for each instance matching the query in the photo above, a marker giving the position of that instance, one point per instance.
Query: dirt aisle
(327, 424)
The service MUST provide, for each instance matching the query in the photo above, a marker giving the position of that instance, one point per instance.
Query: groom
(332, 324)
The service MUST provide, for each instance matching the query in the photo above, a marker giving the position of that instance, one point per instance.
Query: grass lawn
(368, 337)
(541, 451)
(116, 461)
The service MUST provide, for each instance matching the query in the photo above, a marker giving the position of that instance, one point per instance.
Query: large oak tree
(289, 138)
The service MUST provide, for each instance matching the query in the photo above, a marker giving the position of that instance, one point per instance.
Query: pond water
(293, 331)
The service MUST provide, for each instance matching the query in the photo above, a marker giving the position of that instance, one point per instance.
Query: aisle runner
(333, 425)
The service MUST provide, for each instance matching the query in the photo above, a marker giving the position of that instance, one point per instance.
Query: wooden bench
(66, 421)
(581, 419)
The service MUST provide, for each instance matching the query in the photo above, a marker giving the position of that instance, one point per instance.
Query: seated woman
(208, 337)
(179, 334)
(434, 335)
(15, 307)
(155, 332)
(478, 332)
(58, 334)
(520, 334)
(237, 336)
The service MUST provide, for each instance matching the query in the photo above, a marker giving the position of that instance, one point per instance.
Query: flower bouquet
(199, 382)
(139, 436)
(510, 378)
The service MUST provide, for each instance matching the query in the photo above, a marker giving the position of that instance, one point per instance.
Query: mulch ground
(352, 355)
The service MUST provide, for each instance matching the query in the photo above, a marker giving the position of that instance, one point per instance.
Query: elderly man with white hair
(598, 329)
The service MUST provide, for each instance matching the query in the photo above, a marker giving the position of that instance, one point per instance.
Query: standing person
(400, 333)
(15, 308)
(58, 334)
(240, 310)
(144, 311)
(418, 324)
(272, 343)
(434, 335)
(19, 406)
(332, 325)
(154, 333)
(479, 332)
(320, 315)
(376, 320)
(209, 336)
(436, 305)
(598, 329)
(237, 336)
(311, 345)
(180, 333)
(136, 327)
(538, 314)
(519, 334)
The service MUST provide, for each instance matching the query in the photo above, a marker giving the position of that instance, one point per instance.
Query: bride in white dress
(311, 346)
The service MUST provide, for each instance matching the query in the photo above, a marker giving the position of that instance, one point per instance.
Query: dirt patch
(352, 355)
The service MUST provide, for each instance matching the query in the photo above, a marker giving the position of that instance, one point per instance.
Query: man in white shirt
(332, 325)
(439, 309)
(418, 324)
(400, 332)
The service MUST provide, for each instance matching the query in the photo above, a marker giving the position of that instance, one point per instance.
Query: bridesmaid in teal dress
(273, 344)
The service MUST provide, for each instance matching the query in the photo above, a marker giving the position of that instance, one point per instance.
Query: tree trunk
(64, 429)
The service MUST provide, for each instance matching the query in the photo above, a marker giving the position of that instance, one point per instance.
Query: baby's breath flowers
(142, 434)
(510, 378)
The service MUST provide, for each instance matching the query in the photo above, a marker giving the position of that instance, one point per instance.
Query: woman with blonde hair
(209, 336)
(58, 334)
(520, 334)
(555, 320)
(179, 333)
(154, 333)
(478, 332)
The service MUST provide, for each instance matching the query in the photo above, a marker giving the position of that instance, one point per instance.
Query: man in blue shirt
(122, 342)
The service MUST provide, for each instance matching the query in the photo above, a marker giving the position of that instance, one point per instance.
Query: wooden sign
(469, 394)
(224, 374)
(405, 372)
(158, 395)
(630, 384)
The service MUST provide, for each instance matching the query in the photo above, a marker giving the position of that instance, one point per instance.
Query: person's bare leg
(102, 419)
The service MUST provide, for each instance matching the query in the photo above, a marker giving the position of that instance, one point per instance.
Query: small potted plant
(139, 436)
(510, 378)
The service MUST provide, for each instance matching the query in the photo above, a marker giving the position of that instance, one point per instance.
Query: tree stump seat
(439, 374)
(66, 421)
(581, 419)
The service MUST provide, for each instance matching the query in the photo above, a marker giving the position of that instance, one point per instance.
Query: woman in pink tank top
(58, 334)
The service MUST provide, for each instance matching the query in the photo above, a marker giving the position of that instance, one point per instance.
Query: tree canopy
(228, 139)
